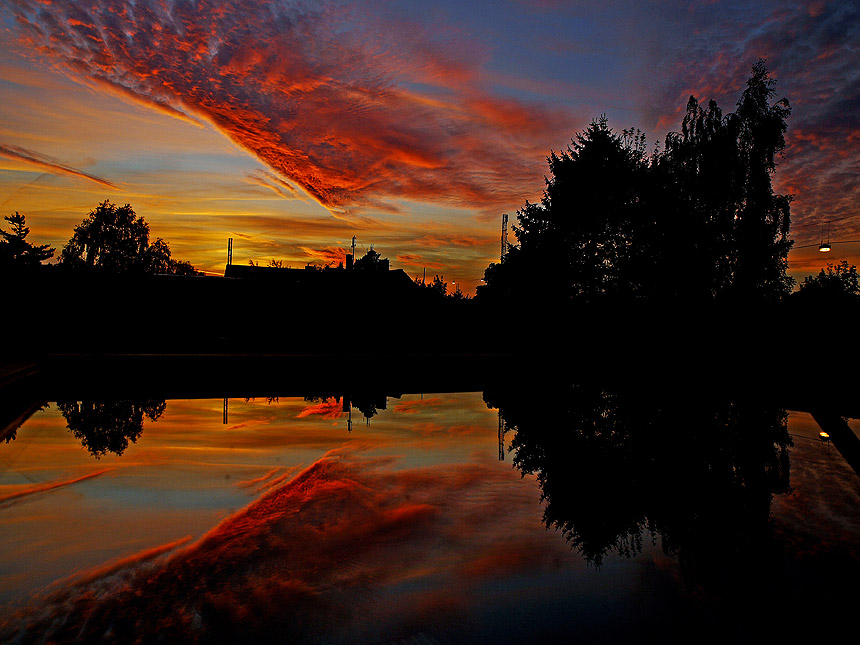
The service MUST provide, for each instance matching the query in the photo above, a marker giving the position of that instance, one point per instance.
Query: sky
(294, 126)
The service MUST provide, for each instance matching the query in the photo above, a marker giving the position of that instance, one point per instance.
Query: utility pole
(229, 251)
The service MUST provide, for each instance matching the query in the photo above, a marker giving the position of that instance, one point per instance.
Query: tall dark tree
(696, 222)
(577, 243)
(114, 239)
(763, 218)
(696, 188)
(16, 251)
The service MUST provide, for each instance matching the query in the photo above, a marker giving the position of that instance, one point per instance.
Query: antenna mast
(502, 429)
(504, 245)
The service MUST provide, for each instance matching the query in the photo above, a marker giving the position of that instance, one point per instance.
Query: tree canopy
(838, 282)
(16, 251)
(114, 239)
(696, 221)
(370, 261)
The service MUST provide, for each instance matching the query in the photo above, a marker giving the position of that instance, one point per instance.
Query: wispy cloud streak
(49, 165)
(10, 498)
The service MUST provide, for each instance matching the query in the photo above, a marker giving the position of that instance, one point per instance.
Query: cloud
(49, 165)
(330, 255)
(274, 183)
(11, 498)
(327, 410)
(345, 100)
(257, 480)
(416, 405)
(345, 533)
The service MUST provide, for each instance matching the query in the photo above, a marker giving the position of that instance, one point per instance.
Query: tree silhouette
(437, 289)
(114, 239)
(696, 222)
(837, 283)
(104, 427)
(370, 261)
(722, 220)
(576, 244)
(16, 251)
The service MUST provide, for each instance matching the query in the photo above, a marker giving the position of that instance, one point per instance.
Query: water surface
(297, 520)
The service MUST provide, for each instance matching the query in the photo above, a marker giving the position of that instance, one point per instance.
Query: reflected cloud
(416, 405)
(16, 495)
(342, 533)
(324, 409)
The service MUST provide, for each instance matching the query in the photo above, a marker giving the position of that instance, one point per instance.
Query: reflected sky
(407, 525)
(189, 470)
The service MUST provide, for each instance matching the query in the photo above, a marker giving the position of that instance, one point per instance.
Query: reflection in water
(617, 467)
(109, 426)
(104, 427)
(411, 527)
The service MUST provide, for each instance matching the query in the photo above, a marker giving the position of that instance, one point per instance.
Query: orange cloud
(343, 533)
(325, 97)
(329, 255)
(48, 486)
(326, 409)
(412, 407)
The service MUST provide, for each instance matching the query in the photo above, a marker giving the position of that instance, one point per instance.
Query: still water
(307, 520)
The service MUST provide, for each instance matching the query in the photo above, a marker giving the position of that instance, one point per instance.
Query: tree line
(111, 238)
(697, 221)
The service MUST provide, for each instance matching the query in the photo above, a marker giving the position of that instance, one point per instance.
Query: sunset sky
(292, 126)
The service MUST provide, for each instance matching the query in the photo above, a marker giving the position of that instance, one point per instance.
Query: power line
(807, 246)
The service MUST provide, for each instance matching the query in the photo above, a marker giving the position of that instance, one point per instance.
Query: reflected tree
(104, 427)
(618, 467)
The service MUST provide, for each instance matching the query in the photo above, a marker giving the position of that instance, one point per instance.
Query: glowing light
(824, 247)
(824, 437)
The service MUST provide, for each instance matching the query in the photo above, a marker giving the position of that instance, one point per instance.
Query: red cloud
(326, 409)
(412, 407)
(325, 97)
(329, 255)
(343, 533)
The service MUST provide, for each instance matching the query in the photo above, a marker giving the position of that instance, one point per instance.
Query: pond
(601, 517)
